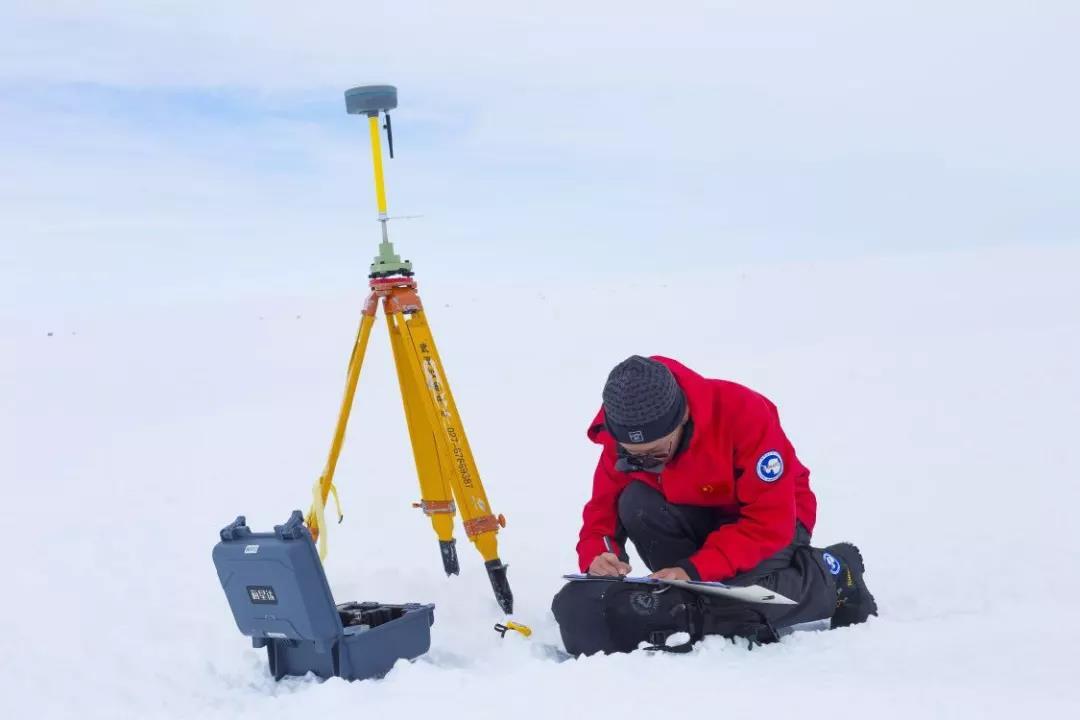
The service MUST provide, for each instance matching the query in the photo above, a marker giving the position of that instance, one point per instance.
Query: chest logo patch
(770, 466)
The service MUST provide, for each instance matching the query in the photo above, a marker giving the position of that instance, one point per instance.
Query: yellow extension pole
(376, 154)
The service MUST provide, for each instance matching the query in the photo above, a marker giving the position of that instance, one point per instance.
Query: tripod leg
(436, 500)
(326, 480)
(481, 525)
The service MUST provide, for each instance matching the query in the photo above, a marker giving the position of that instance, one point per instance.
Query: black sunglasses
(648, 461)
(643, 462)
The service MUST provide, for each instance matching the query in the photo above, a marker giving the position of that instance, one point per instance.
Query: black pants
(664, 533)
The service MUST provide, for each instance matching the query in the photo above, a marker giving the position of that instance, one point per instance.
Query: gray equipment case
(280, 598)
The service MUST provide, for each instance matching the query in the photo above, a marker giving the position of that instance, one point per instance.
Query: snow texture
(934, 398)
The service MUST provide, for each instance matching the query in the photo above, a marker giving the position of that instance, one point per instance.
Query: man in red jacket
(700, 476)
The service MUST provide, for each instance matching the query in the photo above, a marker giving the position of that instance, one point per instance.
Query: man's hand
(608, 564)
(675, 573)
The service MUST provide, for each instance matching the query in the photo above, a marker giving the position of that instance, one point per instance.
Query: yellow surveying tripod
(449, 481)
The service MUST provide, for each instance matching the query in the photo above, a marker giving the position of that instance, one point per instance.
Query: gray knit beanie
(642, 400)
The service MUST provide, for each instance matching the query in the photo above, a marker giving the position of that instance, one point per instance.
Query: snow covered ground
(934, 397)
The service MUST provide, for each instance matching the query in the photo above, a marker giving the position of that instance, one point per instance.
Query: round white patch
(770, 466)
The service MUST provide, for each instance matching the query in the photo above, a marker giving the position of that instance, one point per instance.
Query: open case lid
(275, 582)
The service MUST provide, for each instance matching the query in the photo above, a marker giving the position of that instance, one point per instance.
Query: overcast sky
(163, 150)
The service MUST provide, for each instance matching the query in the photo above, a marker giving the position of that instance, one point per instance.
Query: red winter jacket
(729, 464)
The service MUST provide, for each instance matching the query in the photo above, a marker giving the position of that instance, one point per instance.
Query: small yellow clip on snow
(523, 629)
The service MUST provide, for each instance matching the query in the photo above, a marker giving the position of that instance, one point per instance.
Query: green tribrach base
(388, 263)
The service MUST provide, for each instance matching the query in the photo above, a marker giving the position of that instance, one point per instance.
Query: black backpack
(612, 616)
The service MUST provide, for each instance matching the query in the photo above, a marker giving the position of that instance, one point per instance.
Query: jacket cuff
(588, 550)
(689, 568)
(712, 565)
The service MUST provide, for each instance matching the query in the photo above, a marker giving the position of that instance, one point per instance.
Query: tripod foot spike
(497, 574)
(448, 549)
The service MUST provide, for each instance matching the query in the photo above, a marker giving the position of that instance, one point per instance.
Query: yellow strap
(317, 508)
(337, 503)
(317, 511)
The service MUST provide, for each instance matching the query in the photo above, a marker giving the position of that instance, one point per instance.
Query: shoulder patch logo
(770, 466)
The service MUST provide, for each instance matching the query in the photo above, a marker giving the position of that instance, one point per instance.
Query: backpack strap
(658, 640)
(691, 616)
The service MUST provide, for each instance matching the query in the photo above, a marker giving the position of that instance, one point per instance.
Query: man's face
(654, 455)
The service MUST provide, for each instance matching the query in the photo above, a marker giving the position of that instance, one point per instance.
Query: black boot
(854, 603)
